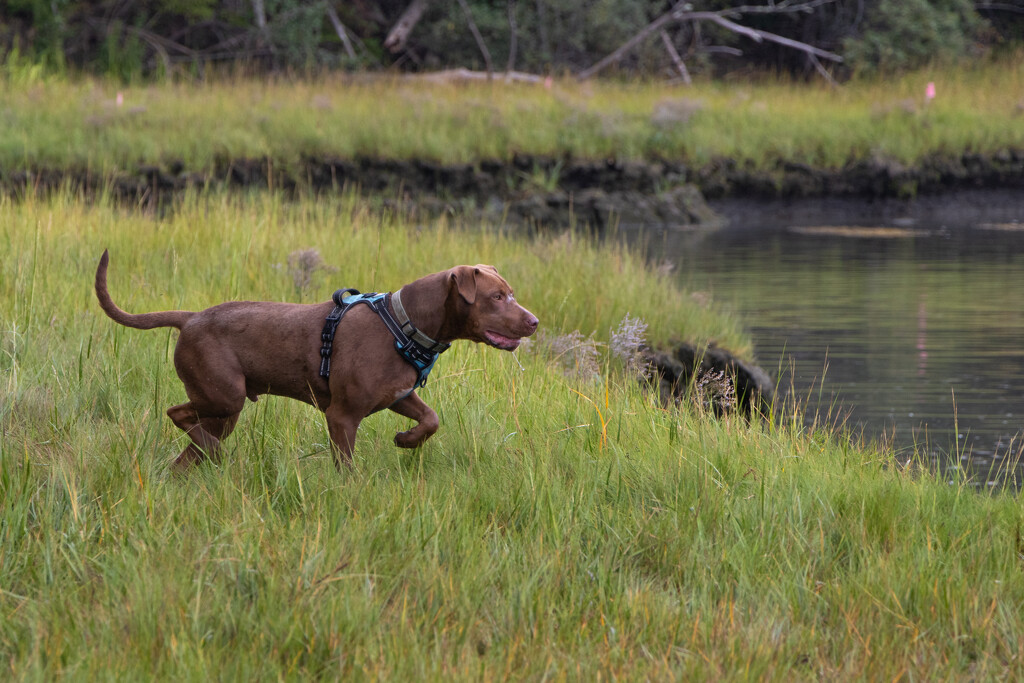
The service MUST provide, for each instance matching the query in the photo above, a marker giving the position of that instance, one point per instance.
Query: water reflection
(908, 318)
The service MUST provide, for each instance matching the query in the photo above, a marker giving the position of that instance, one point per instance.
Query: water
(907, 319)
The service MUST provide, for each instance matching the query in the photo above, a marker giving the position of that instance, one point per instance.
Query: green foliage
(21, 71)
(295, 29)
(44, 44)
(122, 54)
(903, 34)
(196, 10)
(551, 34)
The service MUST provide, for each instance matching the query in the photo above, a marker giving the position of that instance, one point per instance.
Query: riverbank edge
(542, 190)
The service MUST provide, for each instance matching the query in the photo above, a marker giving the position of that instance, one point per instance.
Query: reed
(555, 527)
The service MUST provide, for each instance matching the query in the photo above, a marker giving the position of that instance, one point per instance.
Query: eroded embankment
(545, 191)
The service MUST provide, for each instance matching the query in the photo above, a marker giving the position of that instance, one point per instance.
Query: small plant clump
(575, 355)
(303, 265)
(714, 390)
(627, 342)
(578, 357)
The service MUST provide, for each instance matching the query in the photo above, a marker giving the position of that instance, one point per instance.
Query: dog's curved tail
(141, 321)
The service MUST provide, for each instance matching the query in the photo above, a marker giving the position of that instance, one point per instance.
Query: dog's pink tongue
(501, 341)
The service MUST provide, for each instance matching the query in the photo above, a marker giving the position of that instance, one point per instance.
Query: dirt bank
(544, 191)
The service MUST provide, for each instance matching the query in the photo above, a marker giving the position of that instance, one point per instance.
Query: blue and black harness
(416, 348)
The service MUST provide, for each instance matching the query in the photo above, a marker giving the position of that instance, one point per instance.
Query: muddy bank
(872, 178)
(554, 192)
(925, 214)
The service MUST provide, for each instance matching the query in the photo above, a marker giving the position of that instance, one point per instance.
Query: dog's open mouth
(501, 341)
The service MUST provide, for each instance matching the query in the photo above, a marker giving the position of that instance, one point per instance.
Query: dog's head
(492, 315)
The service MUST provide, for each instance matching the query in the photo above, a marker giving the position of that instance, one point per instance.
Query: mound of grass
(555, 526)
(105, 127)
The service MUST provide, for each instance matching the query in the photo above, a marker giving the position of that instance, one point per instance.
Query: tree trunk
(676, 59)
(399, 33)
(513, 37)
(339, 28)
(478, 38)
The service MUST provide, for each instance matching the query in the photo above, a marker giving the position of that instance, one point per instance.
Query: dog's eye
(498, 296)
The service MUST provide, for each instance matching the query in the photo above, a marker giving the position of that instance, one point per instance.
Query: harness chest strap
(416, 348)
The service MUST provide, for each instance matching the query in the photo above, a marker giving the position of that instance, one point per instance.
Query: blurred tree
(1006, 20)
(128, 38)
(899, 34)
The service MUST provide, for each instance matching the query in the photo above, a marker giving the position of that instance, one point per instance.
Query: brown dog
(243, 349)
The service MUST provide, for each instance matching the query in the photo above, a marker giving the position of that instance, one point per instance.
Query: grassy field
(555, 527)
(82, 123)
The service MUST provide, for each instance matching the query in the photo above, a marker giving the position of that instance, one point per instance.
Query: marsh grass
(77, 123)
(555, 527)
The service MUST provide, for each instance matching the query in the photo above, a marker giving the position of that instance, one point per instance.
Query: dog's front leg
(413, 407)
(342, 427)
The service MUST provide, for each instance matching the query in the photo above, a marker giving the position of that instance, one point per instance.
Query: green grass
(77, 123)
(553, 527)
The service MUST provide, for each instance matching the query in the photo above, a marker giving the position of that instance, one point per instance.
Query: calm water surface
(906, 318)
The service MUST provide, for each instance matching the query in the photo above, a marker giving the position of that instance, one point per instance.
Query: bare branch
(479, 38)
(821, 70)
(339, 28)
(721, 50)
(451, 75)
(155, 43)
(999, 7)
(161, 44)
(776, 8)
(399, 33)
(758, 35)
(513, 37)
(623, 49)
(676, 59)
(679, 13)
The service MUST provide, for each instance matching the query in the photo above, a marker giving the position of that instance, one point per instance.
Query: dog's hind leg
(206, 433)
(216, 392)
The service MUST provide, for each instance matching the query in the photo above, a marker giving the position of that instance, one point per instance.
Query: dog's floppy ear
(464, 279)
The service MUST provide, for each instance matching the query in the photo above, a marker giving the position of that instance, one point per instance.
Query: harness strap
(416, 348)
(330, 327)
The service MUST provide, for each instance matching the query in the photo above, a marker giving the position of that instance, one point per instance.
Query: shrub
(902, 34)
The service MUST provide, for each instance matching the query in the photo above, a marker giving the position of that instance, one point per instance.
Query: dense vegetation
(146, 37)
(559, 525)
